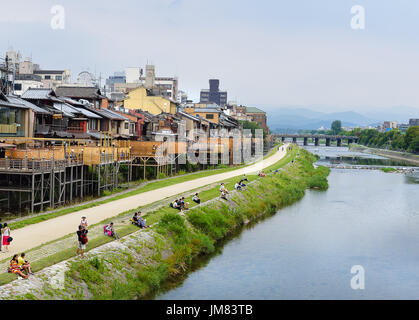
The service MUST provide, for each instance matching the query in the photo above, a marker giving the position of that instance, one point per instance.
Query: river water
(367, 218)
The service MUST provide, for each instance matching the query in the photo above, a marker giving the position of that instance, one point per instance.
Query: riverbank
(138, 187)
(50, 229)
(403, 156)
(139, 263)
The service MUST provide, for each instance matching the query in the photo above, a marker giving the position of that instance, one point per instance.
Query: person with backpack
(82, 238)
(5, 231)
(1, 237)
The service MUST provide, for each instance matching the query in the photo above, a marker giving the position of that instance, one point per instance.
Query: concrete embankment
(401, 156)
(139, 263)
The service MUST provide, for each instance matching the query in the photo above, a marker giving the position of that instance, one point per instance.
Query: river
(366, 218)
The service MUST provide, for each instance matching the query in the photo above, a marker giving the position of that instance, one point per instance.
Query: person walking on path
(82, 238)
(5, 231)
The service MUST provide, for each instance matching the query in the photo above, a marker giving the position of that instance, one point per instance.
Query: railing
(32, 165)
(75, 130)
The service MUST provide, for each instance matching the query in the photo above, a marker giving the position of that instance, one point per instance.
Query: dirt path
(34, 235)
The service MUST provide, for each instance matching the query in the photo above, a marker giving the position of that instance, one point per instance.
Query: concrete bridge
(316, 138)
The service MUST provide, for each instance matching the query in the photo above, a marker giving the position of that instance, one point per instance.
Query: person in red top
(82, 239)
(15, 268)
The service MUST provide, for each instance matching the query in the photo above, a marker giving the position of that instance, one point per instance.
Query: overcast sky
(295, 52)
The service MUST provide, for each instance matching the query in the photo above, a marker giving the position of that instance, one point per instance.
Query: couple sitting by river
(20, 266)
(181, 204)
(139, 221)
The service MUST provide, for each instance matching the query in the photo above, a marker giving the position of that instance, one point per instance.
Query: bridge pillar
(305, 141)
(294, 140)
(327, 142)
(316, 142)
(350, 141)
(339, 142)
(282, 139)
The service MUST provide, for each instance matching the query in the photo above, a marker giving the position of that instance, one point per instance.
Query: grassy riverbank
(167, 251)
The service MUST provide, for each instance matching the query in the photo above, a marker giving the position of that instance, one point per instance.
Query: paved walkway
(37, 234)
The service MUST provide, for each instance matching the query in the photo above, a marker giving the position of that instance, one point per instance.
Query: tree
(411, 139)
(252, 126)
(336, 126)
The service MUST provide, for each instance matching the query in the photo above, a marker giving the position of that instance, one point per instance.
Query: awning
(95, 135)
(80, 135)
(63, 134)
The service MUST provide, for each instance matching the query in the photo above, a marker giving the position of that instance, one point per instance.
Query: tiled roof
(36, 109)
(38, 94)
(66, 109)
(79, 92)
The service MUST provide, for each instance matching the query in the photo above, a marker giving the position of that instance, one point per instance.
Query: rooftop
(254, 110)
(48, 71)
(39, 94)
(79, 92)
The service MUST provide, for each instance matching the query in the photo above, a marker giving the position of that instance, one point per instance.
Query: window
(59, 78)
(18, 86)
(209, 116)
(4, 115)
(126, 125)
(92, 124)
(47, 77)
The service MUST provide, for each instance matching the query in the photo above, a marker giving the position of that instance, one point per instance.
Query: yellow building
(143, 99)
(210, 114)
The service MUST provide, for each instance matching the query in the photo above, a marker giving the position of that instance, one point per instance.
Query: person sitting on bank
(223, 188)
(242, 185)
(176, 205)
(14, 268)
(237, 187)
(24, 264)
(196, 199)
(244, 178)
(143, 223)
(184, 204)
(110, 231)
(135, 220)
(223, 195)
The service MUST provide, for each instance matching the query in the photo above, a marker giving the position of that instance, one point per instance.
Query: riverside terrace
(316, 138)
(39, 174)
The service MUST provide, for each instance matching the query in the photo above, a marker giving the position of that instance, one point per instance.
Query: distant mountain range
(293, 119)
